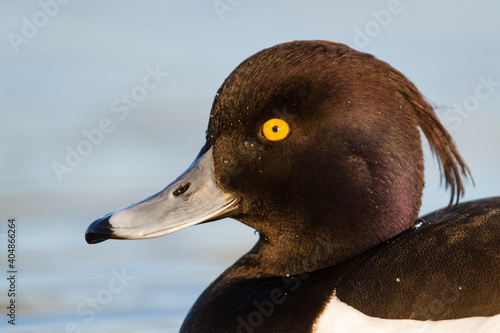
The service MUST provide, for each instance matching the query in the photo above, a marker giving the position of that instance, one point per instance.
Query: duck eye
(275, 129)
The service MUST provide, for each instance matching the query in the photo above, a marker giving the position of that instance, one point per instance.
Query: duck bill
(191, 199)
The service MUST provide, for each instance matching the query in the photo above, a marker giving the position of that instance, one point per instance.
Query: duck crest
(451, 164)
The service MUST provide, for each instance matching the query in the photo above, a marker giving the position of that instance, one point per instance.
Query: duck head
(314, 145)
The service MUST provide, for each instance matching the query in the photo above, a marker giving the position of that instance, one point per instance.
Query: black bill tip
(99, 231)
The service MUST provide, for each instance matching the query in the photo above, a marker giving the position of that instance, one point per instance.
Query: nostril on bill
(181, 189)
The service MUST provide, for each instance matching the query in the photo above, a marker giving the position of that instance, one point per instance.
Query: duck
(317, 146)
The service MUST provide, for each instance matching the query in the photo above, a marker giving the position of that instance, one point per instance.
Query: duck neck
(334, 225)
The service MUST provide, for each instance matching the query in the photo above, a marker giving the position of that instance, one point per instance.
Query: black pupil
(276, 129)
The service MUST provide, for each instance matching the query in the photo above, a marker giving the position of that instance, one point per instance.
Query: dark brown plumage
(335, 202)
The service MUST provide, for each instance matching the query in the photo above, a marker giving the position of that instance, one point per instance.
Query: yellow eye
(275, 129)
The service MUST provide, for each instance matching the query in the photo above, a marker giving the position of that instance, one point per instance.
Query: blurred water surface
(73, 72)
